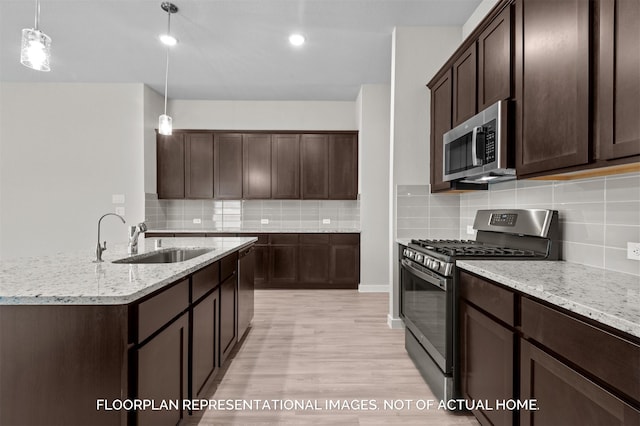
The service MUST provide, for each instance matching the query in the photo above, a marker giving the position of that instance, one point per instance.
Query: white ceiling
(228, 49)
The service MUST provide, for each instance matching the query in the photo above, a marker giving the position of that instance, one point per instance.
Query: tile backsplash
(251, 214)
(598, 216)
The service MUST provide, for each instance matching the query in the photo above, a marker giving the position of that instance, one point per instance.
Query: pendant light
(165, 125)
(36, 46)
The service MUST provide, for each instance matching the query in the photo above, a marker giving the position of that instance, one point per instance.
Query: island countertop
(609, 297)
(73, 278)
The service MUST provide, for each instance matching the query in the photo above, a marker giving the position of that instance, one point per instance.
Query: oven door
(426, 305)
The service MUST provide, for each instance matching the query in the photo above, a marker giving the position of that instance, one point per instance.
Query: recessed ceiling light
(296, 39)
(169, 40)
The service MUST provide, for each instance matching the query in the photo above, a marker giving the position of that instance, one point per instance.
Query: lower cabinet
(205, 331)
(314, 259)
(228, 308)
(161, 365)
(283, 259)
(515, 347)
(566, 397)
(486, 363)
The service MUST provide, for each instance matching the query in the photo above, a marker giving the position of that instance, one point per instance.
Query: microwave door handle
(478, 130)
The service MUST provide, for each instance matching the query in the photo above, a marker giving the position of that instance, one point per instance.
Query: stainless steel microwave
(476, 151)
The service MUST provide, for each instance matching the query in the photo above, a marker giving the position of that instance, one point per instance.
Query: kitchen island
(81, 342)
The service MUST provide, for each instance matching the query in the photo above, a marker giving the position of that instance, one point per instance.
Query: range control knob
(418, 258)
(436, 265)
(405, 252)
(429, 263)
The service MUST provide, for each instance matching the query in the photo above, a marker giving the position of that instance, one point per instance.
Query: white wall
(373, 105)
(263, 115)
(418, 53)
(64, 150)
(478, 15)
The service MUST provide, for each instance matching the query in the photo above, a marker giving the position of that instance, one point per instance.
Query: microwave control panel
(490, 142)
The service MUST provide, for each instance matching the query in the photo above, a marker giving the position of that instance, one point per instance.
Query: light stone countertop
(609, 297)
(73, 278)
(259, 231)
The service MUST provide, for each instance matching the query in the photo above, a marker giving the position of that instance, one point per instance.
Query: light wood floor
(322, 345)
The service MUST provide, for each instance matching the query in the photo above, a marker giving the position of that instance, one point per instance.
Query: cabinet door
(162, 373)
(228, 321)
(552, 84)
(494, 61)
(486, 363)
(283, 264)
(261, 272)
(314, 259)
(205, 332)
(198, 165)
(343, 167)
(618, 84)
(564, 396)
(314, 155)
(440, 124)
(170, 163)
(227, 166)
(345, 260)
(256, 151)
(464, 86)
(285, 167)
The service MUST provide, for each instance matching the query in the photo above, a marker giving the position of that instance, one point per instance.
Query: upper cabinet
(464, 86)
(494, 61)
(227, 166)
(257, 165)
(198, 171)
(618, 79)
(170, 166)
(440, 124)
(256, 151)
(285, 166)
(552, 84)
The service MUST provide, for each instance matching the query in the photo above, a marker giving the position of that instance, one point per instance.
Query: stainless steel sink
(168, 255)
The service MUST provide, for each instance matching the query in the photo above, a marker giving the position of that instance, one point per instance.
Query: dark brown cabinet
(314, 159)
(314, 258)
(283, 259)
(343, 167)
(256, 151)
(494, 61)
(285, 166)
(551, 85)
(618, 79)
(464, 85)
(261, 259)
(246, 287)
(441, 95)
(227, 168)
(198, 165)
(170, 164)
(566, 397)
(344, 262)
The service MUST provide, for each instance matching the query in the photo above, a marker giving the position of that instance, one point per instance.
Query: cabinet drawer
(155, 312)
(205, 280)
(345, 239)
(284, 238)
(314, 238)
(610, 358)
(495, 300)
(228, 266)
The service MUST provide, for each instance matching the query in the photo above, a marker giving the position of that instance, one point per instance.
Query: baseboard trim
(373, 288)
(394, 323)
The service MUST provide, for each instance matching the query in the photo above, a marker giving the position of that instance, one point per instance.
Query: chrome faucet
(134, 233)
(101, 248)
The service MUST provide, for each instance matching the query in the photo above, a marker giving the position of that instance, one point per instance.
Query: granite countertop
(259, 231)
(609, 297)
(73, 278)
(403, 241)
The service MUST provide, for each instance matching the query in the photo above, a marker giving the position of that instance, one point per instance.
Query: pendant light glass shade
(35, 51)
(165, 126)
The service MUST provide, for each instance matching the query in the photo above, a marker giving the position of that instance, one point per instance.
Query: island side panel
(57, 360)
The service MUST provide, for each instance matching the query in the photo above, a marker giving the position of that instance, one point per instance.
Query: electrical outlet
(197, 220)
(264, 221)
(117, 199)
(326, 221)
(470, 230)
(633, 251)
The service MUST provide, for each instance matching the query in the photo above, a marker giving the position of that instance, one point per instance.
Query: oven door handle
(422, 275)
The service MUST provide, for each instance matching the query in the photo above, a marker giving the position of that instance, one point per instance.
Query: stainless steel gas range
(428, 284)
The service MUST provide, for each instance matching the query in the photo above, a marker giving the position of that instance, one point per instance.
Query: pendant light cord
(166, 74)
(37, 15)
